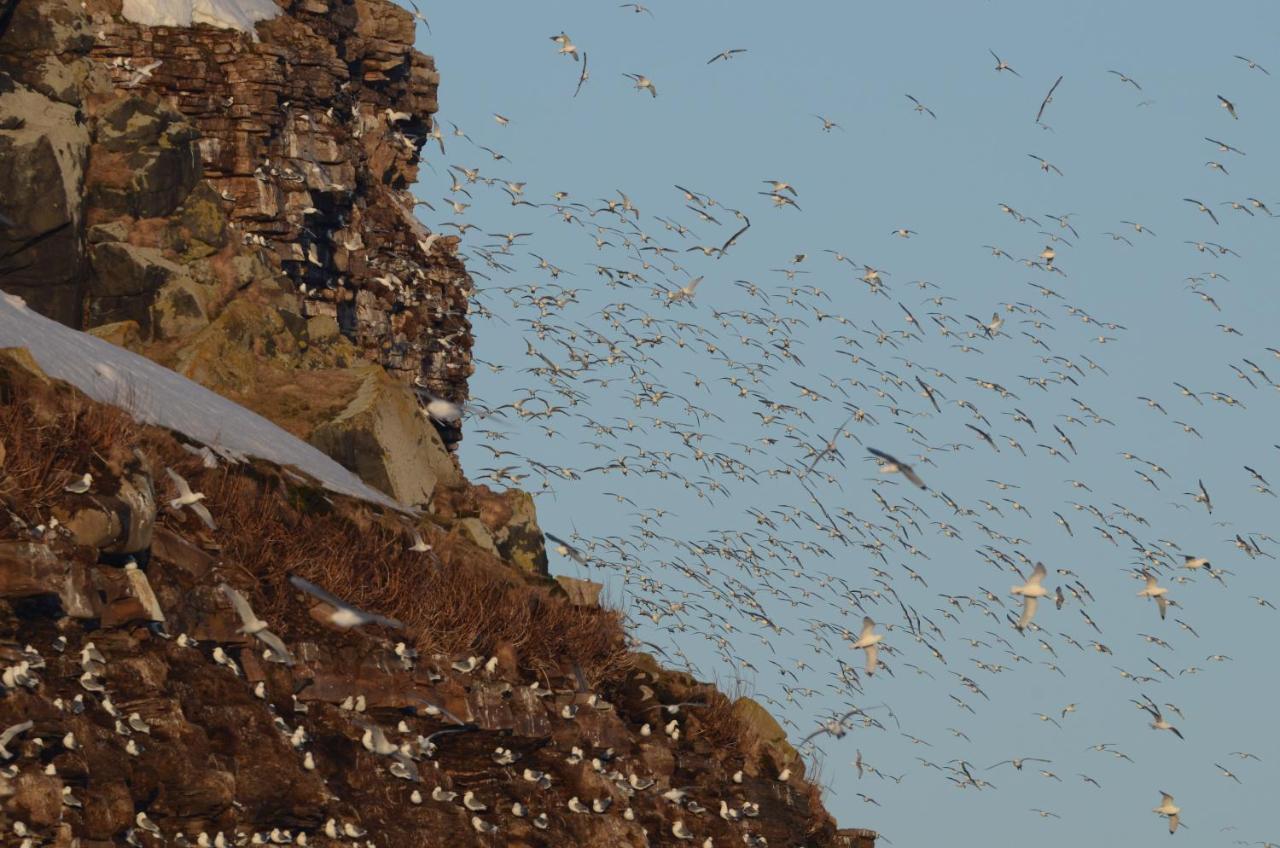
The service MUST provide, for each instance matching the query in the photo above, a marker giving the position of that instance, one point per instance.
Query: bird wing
(867, 627)
(336, 602)
(1038, 574)
(1047, 97)
(1163, 603)
(316, 592)
(734, 237)
(184, 490)
(873, 659)
(10, 732)
(1029, 605)
(241, 605)
(276, 644)
(203, 512)
(886, 457)
(912, 475)
(582, 77)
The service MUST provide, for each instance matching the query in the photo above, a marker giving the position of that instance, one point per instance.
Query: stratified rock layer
(164, 175)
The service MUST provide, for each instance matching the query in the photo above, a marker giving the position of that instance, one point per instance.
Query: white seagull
(189, 499)
(1168, 809)
(344, 615)
(867, 641)
(1151, 590)
(1031, 591)
(251, 625)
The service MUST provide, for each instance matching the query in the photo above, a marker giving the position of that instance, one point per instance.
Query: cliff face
(199, 196)
(236, 209)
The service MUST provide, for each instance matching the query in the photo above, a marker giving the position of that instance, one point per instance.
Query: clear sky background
(1125, 154)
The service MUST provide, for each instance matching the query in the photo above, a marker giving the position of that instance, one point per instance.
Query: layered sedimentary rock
(209, 198)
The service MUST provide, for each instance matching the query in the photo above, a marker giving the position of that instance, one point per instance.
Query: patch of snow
(227, 14)
(155, 395)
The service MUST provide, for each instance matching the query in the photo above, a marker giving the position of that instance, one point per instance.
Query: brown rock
(765, 728)
(168, 547)
(382, 437)
(108, 810)
(125, 334)
(582, 593)
(145, 159)
(37, 799)
(41, 186)
(31, 569)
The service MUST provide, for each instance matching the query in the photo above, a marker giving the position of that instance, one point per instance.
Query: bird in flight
(921, 108)
(867, 641)
(1031, 592)
(583, 76)
(1002, 65)
(1168, 810)
(727, 54)
(1201, 207)
(643, 82)
(1223, 146)
(1045, 165)
(1126, 78)
(1151, 590)
(894, 466)
(1048, 98)
(1253, 66)
(344, 615)
(1229, 106)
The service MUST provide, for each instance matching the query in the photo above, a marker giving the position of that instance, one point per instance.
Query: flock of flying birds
(771, 434)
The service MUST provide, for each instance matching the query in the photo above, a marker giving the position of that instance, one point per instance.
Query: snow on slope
(227, 14)
(155, 395)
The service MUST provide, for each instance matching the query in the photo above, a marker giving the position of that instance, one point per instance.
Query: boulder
(474, 531)
(519, 539)
(127, 278)
(581, 593)
(769, 735)
(179, 309)
(125, 270)
(382, 437)
(119, 523)
(146, 160)
(125, 334)
(32, 569)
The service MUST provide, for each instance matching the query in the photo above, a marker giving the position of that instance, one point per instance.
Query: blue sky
(1125, 154)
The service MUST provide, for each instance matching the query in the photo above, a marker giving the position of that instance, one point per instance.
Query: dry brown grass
(52, 437)
(719, 725)
(451, 601)
(456, 600)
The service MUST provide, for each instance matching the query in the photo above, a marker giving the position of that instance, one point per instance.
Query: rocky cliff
(235, 207)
